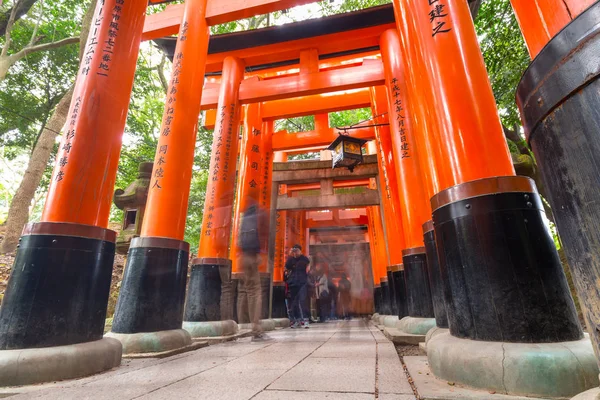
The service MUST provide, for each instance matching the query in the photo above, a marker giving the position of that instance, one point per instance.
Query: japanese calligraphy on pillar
(169, 115)
(265, 179)
(107, 47)
(385, 167)
(438, 17)
(398, 117)
(67, 143)
(279, 241)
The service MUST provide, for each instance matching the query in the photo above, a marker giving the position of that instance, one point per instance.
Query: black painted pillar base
(153, 288)
(418, 293)
(206, 299)
(435, 276)
(279, 309)
(392, 287)
(58, 289)
(559, 100)
(400, 290)
(56, 299)
(502, 277)
(385, 297)
(265, 286)
(377, 299)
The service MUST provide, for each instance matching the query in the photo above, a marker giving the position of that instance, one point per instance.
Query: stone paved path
(345, 360)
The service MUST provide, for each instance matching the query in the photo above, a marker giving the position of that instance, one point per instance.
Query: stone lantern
(132, 201)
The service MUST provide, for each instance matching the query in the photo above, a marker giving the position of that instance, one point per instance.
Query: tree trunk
(18, 213)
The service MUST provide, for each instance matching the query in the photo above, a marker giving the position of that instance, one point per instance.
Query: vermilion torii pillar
(414, 205)
(248, 193)
(210, 296)
(56, 299)
(153, 290)
(558, 98)
(266, 189)
(390, 199)
(278, 308)
(503, 282)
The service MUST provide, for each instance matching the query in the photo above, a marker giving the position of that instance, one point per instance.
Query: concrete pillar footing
(389, 321)
(154, 344)
(546, 370)
(208, 329)
(281, 322)
(592, 394)
(266, 325)
(48, 364)
(416, 326)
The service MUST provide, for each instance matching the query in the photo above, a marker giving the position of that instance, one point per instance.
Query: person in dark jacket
(344, 299)
(296, 266)
(249, 245)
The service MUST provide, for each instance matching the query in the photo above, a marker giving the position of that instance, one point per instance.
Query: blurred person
(249, 245)
(297, 266)
(344, 298)
(321, 292)
(333, 294)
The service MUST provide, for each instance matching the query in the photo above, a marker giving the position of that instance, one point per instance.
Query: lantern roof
(347, 138)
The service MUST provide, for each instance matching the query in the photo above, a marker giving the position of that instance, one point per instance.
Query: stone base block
(400, 337)
(281, 322)
(431, 388)
(266, 325)
(434, 332)
(549, 370)
(375, 318)
(152, 342)
(593, 394)
(48, 364)
(390, 321)
(206, 329)
(416, 326)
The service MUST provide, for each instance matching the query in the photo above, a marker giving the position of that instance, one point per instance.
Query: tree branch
(9, 26)
(44, 46)
(33, 39)
(161, 74)
(474, 6)
(20, 8)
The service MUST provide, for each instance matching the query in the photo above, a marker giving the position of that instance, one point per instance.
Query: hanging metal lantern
(346, 151)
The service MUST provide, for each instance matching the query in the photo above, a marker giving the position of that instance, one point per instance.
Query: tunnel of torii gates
(456, 240)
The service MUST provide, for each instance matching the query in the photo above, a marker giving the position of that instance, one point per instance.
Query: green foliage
(505, 54)
(36, 83)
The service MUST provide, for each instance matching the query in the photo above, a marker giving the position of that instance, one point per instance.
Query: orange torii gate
(467, 234)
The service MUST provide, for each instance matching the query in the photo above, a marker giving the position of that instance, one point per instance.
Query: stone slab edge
(169, 353)
(399, 337)
(49, 364)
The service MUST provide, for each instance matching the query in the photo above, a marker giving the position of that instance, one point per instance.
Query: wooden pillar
(58, 290)
(153, 293)
(249, 180)
(210, 278)
(541, 20)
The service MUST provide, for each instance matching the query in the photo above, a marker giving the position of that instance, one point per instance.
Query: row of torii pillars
(500, 275)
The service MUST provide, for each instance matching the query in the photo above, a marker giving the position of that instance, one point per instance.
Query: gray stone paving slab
(330, 375)
(289, 395)
(431, 388)
(225, 382)
(328, 361)
(391, 376)
(134, 384)
(348, 349)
